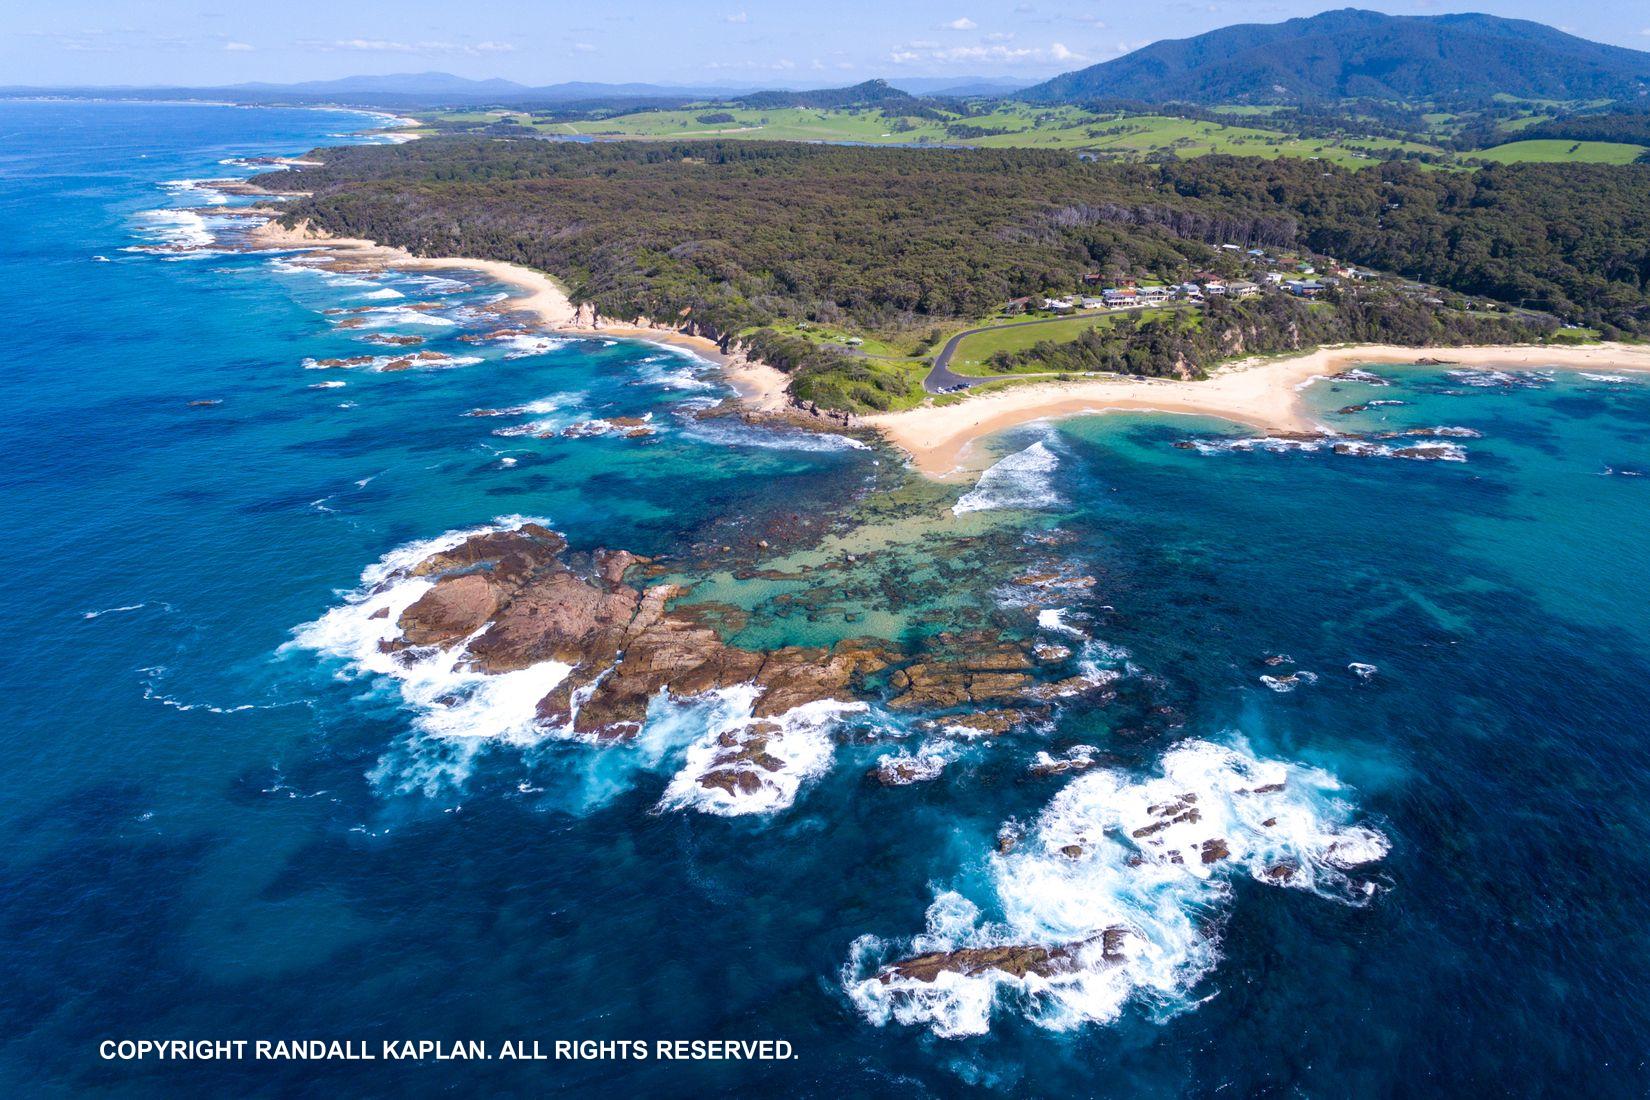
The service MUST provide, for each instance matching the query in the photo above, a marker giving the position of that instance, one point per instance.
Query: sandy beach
(1261, 393)
(761, 387)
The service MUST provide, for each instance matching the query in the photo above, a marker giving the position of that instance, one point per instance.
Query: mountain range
(1363, 54)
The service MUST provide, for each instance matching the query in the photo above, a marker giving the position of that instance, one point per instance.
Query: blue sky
(672, 41)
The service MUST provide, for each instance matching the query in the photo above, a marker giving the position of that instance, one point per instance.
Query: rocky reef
(1018, 960)
(505, 600)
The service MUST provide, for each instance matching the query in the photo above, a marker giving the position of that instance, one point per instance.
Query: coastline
(1264, 394)
(761, 388)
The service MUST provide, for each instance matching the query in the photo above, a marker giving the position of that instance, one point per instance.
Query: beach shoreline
(761, 388)
(1265, 394)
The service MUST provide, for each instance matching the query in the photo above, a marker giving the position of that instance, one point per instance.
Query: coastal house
(1214, 286)
(1305, 288)
(1017, 305)
(1093, 302)
(1153, 295)
(1118, 297)
(1274, 277)
(1060, 305)
(1091, 278)
(1242, 288)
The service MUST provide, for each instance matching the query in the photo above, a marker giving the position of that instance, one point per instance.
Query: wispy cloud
(382, 45)
(998, 53)
(737, 17)
(238, 47)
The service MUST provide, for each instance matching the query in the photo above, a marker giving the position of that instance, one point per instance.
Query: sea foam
(449, 698)
(1148, 859)
(1023, 480)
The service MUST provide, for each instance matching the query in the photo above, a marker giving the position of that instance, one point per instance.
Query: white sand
(760, 386)
(1264, 394)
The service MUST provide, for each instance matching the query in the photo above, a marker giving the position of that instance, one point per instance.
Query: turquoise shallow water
(211, 833)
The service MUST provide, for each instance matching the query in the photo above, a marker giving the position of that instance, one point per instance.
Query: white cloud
(738, 17)
(583, 47)
(381, 45)
(986, 53)
(962, 24)
(237, 47)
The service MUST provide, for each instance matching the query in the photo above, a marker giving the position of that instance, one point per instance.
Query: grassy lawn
(977, 350)
(1588, 152)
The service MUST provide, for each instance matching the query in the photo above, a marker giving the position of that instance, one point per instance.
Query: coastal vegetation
(775, 245)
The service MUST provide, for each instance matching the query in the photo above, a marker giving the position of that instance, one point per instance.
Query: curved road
(940, 377)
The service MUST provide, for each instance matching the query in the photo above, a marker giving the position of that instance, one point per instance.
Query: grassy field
(1020, 126)
(974, 352)
(1585, 152)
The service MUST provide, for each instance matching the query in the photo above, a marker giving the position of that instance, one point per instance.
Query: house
(1153, 295)
(1305, 288)
(1214, 286)
(1017, 305)
(1091, 278)
(1060, 305)
(1093, 303)
(1117, 297)
(1189, 291)
(1242, 288)
(1274, 277)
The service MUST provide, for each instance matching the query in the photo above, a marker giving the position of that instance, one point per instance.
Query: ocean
(1403, 682)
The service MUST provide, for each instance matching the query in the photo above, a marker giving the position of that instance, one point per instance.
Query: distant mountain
(395, 84)
(1352, 53)
(404, 91)
(960, 86)
(872, 93)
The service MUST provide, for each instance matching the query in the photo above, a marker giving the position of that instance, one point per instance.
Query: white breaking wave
(657, 370)
(1053, 619)
(1498, 379)
(523, 346)
(1020, 481)
(797, 744)
(449, 698)
(1148, 860)
(199, 190)
(177, 228)
(732, 432)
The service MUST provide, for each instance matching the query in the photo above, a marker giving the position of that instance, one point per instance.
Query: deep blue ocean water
(214, 828)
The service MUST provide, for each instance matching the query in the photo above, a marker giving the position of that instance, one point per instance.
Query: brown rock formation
(1015, 960)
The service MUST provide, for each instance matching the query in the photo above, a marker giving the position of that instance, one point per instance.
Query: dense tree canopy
(734, 236)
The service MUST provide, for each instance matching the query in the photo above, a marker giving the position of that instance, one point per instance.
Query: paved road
(940, 377)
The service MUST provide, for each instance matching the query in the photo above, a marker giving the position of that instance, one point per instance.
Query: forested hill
(737, 236)
(1352, 53)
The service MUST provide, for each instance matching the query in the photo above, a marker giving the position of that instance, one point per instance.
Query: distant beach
(1261, 393)
(761, 387)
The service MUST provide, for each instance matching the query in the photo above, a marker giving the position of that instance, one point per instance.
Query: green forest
(733, 237)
